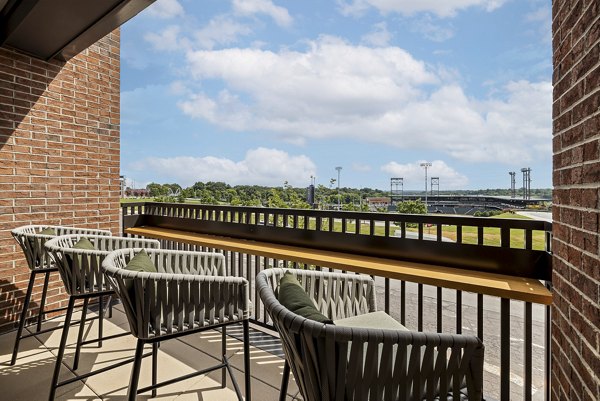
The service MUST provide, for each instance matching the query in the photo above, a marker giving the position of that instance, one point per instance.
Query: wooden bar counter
(517, 288)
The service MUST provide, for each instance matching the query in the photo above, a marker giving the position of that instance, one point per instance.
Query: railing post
(504, 349)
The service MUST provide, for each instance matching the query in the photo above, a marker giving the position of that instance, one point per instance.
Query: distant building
(378, 202)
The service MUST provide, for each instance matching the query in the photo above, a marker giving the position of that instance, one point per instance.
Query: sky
(260, 92)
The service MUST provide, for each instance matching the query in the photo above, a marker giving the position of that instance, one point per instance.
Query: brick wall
(576, 142)
(59, 154)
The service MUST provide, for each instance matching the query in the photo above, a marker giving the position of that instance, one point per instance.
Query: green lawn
(491, 236)
(133, 200)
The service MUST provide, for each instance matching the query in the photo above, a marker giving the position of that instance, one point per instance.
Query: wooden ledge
(517, 288)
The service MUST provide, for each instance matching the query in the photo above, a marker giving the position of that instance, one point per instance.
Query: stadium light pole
(426, 165)
(339, 169)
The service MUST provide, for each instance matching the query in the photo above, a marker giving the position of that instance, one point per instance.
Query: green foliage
(274, 199)
(165, 198)
(214, 192)
(156, 190)
(487, 213)
(411, 207)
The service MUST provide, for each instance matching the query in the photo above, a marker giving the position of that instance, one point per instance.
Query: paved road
(545, 216)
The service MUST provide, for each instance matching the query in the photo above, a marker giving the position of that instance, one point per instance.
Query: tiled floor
(29, 379)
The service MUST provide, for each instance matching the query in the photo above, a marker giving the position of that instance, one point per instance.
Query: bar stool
(169, 294)
(32, 238)
(78, 259)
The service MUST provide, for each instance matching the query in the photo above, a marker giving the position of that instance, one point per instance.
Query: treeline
(287, 196)
(255, 195)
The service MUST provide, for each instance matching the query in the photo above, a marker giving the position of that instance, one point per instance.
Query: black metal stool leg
(154, 366)
(80, 335)
(135, 371)
(110, 306)
(284, 381)
(23, 317)
(247, 376)
(101, 320)
(61, 348)
(223, 352)
(43, 301)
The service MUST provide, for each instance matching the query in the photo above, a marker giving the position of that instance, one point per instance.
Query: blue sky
(268, 91)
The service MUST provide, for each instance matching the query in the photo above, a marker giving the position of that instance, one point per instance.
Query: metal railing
(506, 246)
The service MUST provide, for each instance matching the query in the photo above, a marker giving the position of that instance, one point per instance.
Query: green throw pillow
(84, 243)
(294, 298)
(45, 231)
(48, 231)
(141, 262)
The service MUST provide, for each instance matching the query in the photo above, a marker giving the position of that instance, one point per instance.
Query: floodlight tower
(513, 191)
(435, 182)
(394, 184)
(526, 182)
(426, 165)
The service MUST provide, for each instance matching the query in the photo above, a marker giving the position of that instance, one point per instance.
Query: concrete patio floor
(29, 379)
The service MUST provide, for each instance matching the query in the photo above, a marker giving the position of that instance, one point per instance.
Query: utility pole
(426, 165)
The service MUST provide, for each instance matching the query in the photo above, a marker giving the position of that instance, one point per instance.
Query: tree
(411, 207)
(275, 200)
(155, 189)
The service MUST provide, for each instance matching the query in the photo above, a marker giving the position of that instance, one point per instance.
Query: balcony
(481, 276)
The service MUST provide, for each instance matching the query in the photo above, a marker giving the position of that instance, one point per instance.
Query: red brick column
(59, 154)
(576, 246)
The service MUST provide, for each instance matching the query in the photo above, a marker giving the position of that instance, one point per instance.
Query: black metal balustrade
(511, 247)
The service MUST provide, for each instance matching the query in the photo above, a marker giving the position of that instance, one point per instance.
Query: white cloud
(221, 30)
(378, 37)
(166, 40)
(260, 166)
(166, 9)
(432, 30)
(279, 14)
(382, 95)
(441, 8)
(414, 175)
(542, 19)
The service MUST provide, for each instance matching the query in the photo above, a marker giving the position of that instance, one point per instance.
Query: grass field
(491, 236)
(133, 200)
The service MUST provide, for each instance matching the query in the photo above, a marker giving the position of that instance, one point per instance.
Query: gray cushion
(294, 298)
(372, 320)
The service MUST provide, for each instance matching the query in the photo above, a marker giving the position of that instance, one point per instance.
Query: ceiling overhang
(60, 29)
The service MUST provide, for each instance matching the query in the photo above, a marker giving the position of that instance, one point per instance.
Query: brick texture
(59, 155)
(576, 143)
